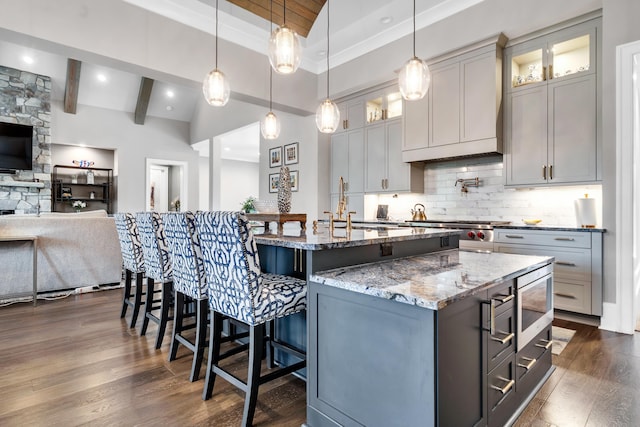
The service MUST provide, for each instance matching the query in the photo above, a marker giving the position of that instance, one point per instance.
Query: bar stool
(158, 270)
(189, 285)
(238, 289)
(132, 262)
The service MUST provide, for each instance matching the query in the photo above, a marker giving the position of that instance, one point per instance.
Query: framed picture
(291, 154)
(274, 178)
(294, 180)
(275, 157)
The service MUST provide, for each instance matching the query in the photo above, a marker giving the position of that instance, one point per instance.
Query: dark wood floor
(74, 362)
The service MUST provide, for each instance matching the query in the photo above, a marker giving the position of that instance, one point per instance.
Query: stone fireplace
(25, 99)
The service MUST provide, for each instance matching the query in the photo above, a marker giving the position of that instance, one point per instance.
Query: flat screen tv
(16, 147)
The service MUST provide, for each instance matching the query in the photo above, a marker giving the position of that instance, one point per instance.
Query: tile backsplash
(443, 199)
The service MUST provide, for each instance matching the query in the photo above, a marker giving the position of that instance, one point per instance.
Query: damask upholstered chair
(132, 262)
(189, 284)
(238, 289)
(158, 269)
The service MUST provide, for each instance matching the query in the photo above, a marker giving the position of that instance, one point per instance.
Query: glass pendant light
(216, 86)
(415, 77)
(284, 48)
(270, 126)
(327, 114)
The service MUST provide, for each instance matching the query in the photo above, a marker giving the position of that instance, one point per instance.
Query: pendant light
(415, 77)
(270, 126)
(327, 114)
(216, 86)
(284, 47)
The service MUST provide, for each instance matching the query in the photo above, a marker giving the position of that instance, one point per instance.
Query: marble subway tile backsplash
(443, 199)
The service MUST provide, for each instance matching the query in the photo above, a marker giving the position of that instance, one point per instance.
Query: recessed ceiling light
(386, 20)
(169, 108)
(27, 59)
(101, 78)
(322, 53)
(170, 94)
(227, 149)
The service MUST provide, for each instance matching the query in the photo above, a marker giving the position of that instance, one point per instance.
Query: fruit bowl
(532, 221)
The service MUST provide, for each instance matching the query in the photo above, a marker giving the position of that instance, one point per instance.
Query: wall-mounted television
(16, 147)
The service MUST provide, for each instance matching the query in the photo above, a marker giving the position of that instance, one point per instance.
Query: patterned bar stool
(189, 285)
(132, 262)
(238, 289)
(158, 269)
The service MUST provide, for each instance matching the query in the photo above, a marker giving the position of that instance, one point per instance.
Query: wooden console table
(34, 243)
(279, 218)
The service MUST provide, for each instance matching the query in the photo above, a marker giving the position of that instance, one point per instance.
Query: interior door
(159, 192)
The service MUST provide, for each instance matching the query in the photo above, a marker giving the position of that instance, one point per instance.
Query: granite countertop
(323, 238)
(434, 280)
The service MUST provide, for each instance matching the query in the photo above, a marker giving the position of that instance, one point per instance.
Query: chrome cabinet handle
(504, 340)
(506, 388)
(513, 236)
(565, 239)
(529, 365)
(570, 264)
(295, 259)
(561, 295)
(546, 344)
(504, 298)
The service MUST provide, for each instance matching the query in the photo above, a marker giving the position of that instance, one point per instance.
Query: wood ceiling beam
(72, 85)
(144, 95)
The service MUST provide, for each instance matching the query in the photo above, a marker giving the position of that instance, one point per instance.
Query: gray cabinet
(552, 108)
(385, 171)
(577, 269)
(347, 160)
(351, 114)
(461, 114)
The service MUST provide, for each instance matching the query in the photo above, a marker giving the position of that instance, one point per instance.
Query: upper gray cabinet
(352, 114)
(461, 114)
(552, 112)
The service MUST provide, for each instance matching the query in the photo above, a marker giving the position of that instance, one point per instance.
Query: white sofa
(74, 250)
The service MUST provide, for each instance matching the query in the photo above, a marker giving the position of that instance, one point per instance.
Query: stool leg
(137, 300)
(148, 305)
(215, 335)
(269, 348)
(164, 312)
(178, 319)
(256, 343)
(127, 292)
(202, 309)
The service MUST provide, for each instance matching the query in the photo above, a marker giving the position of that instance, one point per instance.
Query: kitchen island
(404, 329)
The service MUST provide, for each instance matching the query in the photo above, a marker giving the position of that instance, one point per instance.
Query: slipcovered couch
(74, 250)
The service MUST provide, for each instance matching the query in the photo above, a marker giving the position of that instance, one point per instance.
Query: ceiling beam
(71, 86)
(144, 94)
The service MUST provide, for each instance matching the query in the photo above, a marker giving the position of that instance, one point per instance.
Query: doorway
(166, 186)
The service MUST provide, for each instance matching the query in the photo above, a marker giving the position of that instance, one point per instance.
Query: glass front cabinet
(552, 109)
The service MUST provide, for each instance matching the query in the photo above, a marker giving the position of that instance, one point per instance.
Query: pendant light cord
(414, 28)
(284, 12)
(216, 34)
(270, 67)
(328, 49)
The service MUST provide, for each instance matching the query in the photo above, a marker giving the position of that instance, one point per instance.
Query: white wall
(239, 180)
(115, 130)
(66, 154)
(203, 183)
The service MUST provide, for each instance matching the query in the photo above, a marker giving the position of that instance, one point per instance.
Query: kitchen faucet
(342, 200)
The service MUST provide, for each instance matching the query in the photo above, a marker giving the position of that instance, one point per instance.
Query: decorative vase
(284, 191)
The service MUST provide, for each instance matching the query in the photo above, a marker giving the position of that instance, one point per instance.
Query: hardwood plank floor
(74, 362)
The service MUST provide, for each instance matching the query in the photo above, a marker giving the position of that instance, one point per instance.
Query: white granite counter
(324, 238)
(433, 280)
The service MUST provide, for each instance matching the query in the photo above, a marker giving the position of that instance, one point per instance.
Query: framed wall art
(274, 178)
(275, 157)
(294, 180)
(291, 154)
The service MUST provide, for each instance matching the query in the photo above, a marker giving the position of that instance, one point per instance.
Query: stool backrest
(157, 262)
(186, 255)
(130, 244)
(231, 263)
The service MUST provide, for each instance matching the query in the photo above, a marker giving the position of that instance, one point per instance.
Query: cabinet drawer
(529, 357)
(570, 264)
(503, 297)
(501, 391)
(572, 296)
(504, 340)
(569, 239)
